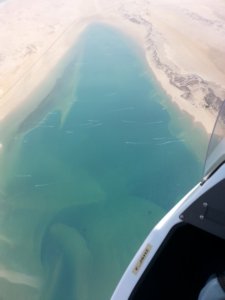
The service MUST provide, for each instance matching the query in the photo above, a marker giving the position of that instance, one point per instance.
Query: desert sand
(183, 41)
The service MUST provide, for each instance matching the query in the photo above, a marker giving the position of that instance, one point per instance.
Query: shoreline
(30, 90)
(201, 116)
(198, 85)
(191, 88)
(199, 98)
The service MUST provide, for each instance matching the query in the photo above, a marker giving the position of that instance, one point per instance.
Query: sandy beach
(184, 45)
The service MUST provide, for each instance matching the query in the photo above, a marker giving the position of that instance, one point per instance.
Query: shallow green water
(91, 177)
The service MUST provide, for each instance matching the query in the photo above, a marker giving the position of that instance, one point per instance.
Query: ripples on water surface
(87, 183)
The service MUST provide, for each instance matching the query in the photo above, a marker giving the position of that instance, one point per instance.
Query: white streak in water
(171, 142)
(137, 143)
(154, 123)
(91, 124)
(93, 121)
(69, 131)
(41, 185)
(52, 113)
(159, 138)
(129, 122)
(84, 124)
(5, 240)
(124, 108)
(23, 175)
(46, 126)
(19, 278)
(96, 125)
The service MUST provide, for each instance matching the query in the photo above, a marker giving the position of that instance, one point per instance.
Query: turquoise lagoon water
(91, 175)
